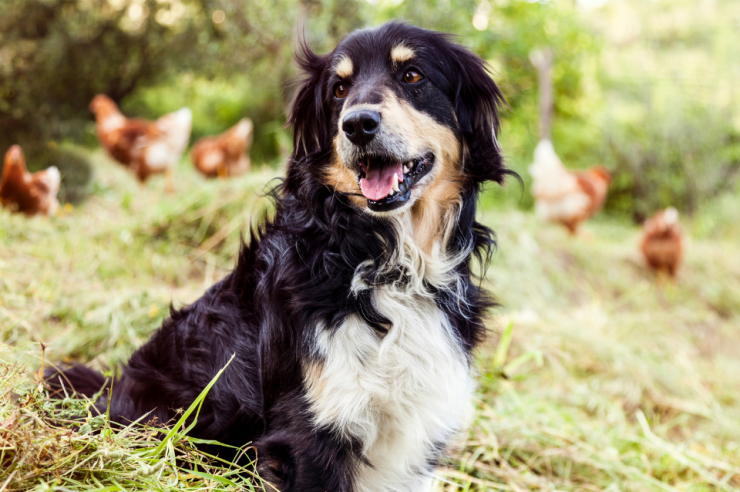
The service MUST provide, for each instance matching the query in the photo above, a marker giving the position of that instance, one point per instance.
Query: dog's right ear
(307, 114)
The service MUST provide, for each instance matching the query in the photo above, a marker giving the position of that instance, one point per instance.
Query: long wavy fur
(296, 273)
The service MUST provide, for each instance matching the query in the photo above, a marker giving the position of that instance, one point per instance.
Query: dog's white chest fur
(403, 395)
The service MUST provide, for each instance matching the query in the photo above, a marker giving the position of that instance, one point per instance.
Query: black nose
(361, 126)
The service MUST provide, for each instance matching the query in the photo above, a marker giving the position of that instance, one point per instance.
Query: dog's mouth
(387, 183)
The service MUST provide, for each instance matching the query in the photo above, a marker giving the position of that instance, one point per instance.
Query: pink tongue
(378, 180)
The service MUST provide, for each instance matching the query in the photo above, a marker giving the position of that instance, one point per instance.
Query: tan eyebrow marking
(401, 53)
(344, 68)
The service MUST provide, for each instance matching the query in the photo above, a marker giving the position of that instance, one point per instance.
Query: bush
(678, 155)
(57, 54)
(154, 56)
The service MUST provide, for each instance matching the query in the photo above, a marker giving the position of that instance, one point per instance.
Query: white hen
(558, 195)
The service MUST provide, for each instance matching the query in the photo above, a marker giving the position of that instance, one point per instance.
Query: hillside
(593, 378)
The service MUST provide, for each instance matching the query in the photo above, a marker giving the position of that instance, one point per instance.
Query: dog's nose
(361, 126)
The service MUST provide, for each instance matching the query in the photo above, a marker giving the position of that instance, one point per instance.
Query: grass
(47, 447)
(593, 379)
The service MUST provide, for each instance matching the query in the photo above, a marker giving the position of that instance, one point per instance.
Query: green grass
(602, 381)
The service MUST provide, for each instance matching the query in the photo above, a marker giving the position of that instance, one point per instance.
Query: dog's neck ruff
(402, 394)
(408, 267)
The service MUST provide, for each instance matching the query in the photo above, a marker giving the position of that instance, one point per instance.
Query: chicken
(662, 241)
(564, 196)
(224, 155)
(144, 146)
(29, 193)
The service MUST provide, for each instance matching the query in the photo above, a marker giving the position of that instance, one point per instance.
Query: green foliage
(671, 120)
(57, 54)
(674, 155)
(227, 59)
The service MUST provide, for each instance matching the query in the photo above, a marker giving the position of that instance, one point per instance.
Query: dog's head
(396, 116)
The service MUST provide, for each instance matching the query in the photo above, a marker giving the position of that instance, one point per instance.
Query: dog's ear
(477, 101)
(307, 114)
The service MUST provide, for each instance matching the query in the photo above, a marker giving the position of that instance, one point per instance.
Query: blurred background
(646, 88)
(596, 376)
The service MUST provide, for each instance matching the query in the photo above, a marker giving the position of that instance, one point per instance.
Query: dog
(353, 313)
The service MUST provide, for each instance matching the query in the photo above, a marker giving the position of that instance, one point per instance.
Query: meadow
(594, 376)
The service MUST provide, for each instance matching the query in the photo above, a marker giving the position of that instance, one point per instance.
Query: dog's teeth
(395, 181)
(406, 168)
(391, 193)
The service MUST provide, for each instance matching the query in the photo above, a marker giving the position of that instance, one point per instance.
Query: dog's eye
(340, 91)
(412, 77)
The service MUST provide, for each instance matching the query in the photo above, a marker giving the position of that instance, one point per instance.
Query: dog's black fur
(296, 271)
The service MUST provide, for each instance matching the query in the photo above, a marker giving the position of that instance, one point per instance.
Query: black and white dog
(353, 313)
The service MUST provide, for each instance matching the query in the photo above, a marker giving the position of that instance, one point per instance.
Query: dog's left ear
(477, 102)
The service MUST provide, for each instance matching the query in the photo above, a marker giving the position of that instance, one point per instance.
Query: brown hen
(29, 193)
(226, 154)
(146, 147)
(662, 241)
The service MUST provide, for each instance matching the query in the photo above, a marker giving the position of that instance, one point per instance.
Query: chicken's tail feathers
(244, 130)
(182, 119)
(53, 178)
(176, 128)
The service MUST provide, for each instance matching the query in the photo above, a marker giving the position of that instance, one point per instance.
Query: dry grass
(46, 446)
(611, 383)
(601, 380)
